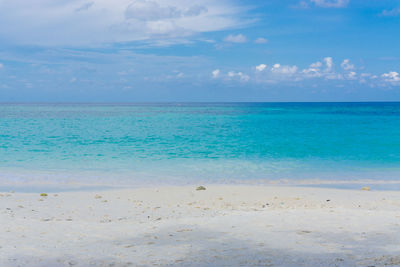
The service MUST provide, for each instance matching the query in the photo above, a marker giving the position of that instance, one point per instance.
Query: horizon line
(193, 102)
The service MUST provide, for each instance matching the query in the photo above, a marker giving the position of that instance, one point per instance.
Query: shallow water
(184, 143)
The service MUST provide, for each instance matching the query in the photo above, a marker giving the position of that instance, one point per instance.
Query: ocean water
(175, 143)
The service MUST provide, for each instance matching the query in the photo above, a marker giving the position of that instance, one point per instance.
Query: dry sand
(221, 226)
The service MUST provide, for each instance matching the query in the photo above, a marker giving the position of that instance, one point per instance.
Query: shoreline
(58, 187)
(224, 225)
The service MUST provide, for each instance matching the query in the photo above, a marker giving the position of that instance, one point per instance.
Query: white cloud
(287, 70)
(329, 63)
(84, 7)
(322, 71)
(331, 3)
(261, 40)
(351, 75)
(391, 76)
(346, 65)
(314, 70)
(152, 11)
(311, 72)
(242, 77)
(276, 66)
(98, 22)
(261, 67)
(333, 76)
(317, 64)
(215, 73)
(1, 65)
(240, 38)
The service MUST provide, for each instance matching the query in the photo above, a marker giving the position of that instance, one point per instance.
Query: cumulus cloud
(346, 65)
(215, 73)
(261, 67)
(239, 38)
(317, 64)
(330, 3)
(392, 77)
(329, 63)
(98, 22)
(261, 40)
(314, 70)
(288, 70)
(323, 71)
(242, 77)
(351, 75)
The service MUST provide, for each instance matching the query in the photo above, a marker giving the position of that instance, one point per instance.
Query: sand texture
(220, 226)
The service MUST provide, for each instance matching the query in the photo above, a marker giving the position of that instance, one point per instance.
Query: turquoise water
(185, 143)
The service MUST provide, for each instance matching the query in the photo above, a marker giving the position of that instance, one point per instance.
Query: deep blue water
(175, 143)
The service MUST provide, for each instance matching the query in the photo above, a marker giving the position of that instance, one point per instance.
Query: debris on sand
(43, 195)
(199, 188)
(366, 188)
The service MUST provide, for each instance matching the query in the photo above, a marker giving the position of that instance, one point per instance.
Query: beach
(223, 225)
(173, 133)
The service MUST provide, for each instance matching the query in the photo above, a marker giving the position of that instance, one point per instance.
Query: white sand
(222, 226)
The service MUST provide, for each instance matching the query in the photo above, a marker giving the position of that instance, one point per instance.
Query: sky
(200, 51)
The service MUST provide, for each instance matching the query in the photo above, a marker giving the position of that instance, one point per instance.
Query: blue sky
(180, 50)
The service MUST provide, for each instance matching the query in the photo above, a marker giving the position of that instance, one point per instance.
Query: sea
(64, 146)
